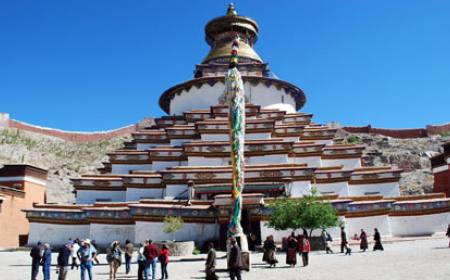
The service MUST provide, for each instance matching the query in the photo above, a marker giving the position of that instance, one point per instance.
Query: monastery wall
(103, 234)
(418, 224)
(91, 196)
(355, 224)
(197, 232)
(56, 234)
(401, 133)
(77, 137)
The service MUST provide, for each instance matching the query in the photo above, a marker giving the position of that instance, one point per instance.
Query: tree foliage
(172, 224)
(307, 213)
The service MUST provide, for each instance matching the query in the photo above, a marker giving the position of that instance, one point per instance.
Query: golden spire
(221, 31)
(231, 11)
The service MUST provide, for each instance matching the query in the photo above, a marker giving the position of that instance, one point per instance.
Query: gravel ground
(420, 259)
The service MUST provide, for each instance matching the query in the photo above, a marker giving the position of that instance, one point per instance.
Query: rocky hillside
(412, 155)
(66, 160)
(63, 159)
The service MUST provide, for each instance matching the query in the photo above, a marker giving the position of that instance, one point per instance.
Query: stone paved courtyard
(420, 259)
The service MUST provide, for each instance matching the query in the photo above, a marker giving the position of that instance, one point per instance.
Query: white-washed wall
(104, 234)
(56, 234)
(340, 188)
(207, 161)
(207, 96)
(225, 137)
(381, 222)
(135, 194)
(126, 168)
(300, 188)
(348, 163)
(90, 196)
(175, 190)
(418, 225)
(162, 165)
(146, 146)
(189, 232)
(310, 161)
(386, 189)
(267, 159)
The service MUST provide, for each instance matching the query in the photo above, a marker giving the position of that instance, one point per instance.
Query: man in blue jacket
(46, 261)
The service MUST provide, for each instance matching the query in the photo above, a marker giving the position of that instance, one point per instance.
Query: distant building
(441, 170)
(20, 187)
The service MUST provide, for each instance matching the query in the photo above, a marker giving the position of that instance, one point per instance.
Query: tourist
(448, 234)
(344, 243)
(269, 251)
(114, 258)
(306, 248)
(363, 245)
(141, 261)
(210, 264)
(291, 252)
(46, 261)
(129, 249)
(36, 255)
(63, 260)
(300, 244)
(328, 240)
(151, 259)
(85, 255)
(94, 257)
(377, 239)
(75, 248)
(234, 260)
(163, 259)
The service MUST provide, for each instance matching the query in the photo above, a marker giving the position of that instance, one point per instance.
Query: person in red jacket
(306, 248)
(164, 261)
(151, 257)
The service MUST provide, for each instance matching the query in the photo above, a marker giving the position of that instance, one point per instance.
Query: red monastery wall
(77, 137)
(401, 133)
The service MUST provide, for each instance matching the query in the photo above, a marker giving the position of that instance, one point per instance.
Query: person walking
(344, 243)
(141, 261)
(306, 248)
(75, 248)
(114, 259)
(448, 235)
(364, 244)
(210, 264)
(234, 260)
(85, 255)
(129, 249)
(63, 260)
(291, 250)
(328, 241)
(377, 239)
(46, 261)
(163, 259)
(151, 258)
(94, 257)
(36, 255)
(269, 251)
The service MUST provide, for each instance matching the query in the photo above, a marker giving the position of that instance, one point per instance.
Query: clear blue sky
(94, 65)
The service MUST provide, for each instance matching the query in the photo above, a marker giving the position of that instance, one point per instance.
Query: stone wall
(401, 133)
(77, 137)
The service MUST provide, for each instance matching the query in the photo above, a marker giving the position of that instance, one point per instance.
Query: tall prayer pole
(235, 97)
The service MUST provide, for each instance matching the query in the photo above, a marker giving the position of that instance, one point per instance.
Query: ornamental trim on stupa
(180, 166)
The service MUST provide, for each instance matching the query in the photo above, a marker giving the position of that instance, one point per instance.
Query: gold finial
(231, 11)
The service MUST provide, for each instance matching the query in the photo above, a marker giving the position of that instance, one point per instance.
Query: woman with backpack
(164, 261)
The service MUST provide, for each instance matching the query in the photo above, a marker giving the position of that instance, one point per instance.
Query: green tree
(307, 213)
(172, 224)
